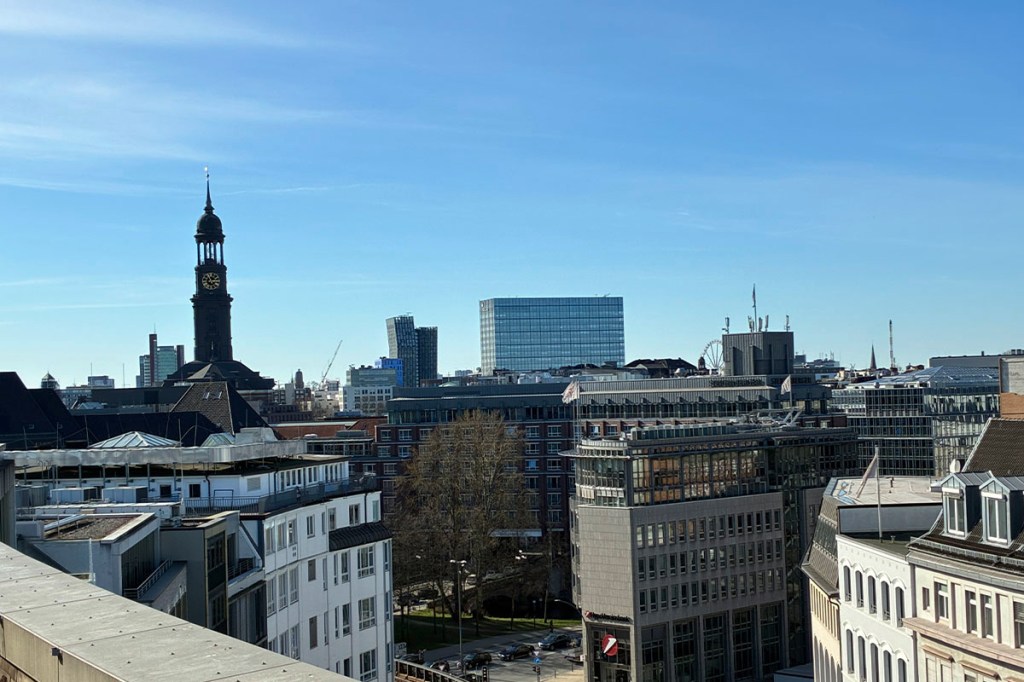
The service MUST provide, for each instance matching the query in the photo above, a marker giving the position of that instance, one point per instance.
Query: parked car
(514, 651)
(575, 657)
(412, 657)
(442, 665)
(475, 660)
(555, 640)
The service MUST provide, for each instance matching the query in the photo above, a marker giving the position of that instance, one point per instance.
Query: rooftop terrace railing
(135, 592)
(265, 504)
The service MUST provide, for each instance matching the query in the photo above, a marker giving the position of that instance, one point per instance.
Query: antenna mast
(754, 296)
(892, 355)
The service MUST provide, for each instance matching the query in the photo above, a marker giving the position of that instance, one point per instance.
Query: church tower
(213, 358)
(211, 304)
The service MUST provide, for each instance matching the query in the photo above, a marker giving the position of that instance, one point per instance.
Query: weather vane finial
(209, 203)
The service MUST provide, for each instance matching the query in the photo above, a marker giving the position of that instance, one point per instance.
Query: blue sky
(858, 162)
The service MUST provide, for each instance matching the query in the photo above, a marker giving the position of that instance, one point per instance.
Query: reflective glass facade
(920, 421)
(523, 334)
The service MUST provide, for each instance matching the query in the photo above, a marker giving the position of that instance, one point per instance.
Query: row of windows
(694, 530)
(278, 536)
(309, 475)
(553, 464)
(710, 590)
(877, 593)
(283, 587)
(551, 448)
(531, 432)
(974, 612)
(869, 662)
(390, 468)
(710, 559)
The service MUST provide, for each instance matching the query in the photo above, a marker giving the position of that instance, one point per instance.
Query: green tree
(462, 499)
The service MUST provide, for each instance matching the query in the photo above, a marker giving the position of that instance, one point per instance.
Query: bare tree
(463, 500)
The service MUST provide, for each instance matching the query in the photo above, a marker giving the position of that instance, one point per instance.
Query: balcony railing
(241, 566)
(143, 587)
(263, 504)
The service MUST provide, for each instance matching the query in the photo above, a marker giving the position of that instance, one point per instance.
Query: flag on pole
(870, 472)
(571, 392)
(787, 385)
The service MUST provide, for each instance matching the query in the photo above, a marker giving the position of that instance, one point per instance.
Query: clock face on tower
(211, 281)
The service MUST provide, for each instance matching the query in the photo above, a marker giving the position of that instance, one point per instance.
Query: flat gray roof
(176, 455)
(892, 490)
(99, 635)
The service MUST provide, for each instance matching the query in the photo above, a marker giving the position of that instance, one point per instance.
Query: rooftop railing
(135, 592)
(265, 504)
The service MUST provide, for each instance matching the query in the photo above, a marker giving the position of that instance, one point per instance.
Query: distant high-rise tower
(300, 383)
(416, 347)
(402, 344)
(524, 334)
(426, 353)
(49, 382)
(159, 363)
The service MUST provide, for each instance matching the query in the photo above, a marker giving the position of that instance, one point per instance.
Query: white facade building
(860, 586)
(324, 555)
(328, 569)
(876, 593)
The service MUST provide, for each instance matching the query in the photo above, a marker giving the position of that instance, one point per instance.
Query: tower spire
(209, 204)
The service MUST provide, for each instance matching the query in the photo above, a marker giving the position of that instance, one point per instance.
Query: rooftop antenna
(892, 355)
(726, 327)
(787, 323)
(766, 323)
(754, 296)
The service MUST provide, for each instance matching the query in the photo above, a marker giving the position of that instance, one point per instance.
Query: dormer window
(955, 509)
(997, 516)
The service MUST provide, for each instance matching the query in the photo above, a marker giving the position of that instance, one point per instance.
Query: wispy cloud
(35, 282)
(47, 307)
(86, 186)
(136, 23)
(65, 117)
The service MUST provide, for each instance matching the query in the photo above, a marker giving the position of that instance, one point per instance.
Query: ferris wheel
(712, 356)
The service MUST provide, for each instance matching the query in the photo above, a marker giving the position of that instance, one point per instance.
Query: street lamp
(459, 565)
(579, 612)
(520, 557)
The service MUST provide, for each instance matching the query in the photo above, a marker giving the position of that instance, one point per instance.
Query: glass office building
(920, 421)
(524, 334)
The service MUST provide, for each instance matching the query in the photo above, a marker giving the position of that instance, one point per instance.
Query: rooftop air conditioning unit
(127, 494)
(35, 495)
(72, 495)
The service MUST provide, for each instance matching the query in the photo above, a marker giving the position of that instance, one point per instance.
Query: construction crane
(323, 378)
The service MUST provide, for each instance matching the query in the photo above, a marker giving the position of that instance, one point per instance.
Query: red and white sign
(609, 646)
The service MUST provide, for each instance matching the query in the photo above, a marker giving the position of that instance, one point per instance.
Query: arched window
(849, 651)
(902, 677)
(847, 586)
(862, 658)
(899, 607)
(860, 590)
(885, 600)
(872, 595)
(887, 667)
